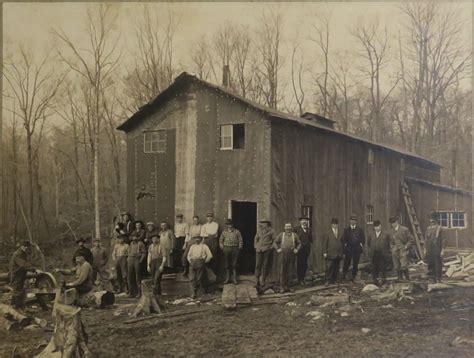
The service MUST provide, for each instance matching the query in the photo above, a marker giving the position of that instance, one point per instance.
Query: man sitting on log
(198, 255)
(21, 264)
(83, 271)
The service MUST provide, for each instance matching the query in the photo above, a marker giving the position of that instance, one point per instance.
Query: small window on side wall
(232, 136)
(443, 219)
(458, 220)
(369, 214)
(154, 141)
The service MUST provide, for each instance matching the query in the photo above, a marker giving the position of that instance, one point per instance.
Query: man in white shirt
(198, 255)
(209, 234)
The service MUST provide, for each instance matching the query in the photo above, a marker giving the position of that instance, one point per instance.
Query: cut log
(229, 296)
(147, 303)
(69, 338)
(242, 295)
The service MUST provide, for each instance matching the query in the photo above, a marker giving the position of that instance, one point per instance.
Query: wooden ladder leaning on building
(415, 224)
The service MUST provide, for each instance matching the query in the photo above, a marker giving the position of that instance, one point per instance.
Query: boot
(227, 280)
(399, 274)
(235, 277)
(407, 274)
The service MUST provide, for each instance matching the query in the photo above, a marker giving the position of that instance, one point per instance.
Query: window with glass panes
(226, 137)
(369, 214)
(154, 142)
(443, 219)
(458, 219)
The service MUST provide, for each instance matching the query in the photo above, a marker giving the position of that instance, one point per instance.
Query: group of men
(145, 251)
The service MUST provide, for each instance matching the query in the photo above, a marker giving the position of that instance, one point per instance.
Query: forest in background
(63, 161)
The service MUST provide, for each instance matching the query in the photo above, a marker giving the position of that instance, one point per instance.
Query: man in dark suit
(332, 251)
(354, 240)
(380, 256)
(305, 234)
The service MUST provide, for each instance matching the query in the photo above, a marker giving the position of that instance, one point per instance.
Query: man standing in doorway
(401, 241)
(263, 244)
(354, 240)
(181, 231)
(435, 244)
(209, 234)
(231, 243)
(305, 233)
(287, 244)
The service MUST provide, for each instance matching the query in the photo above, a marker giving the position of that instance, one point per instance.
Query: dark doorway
(244, 216)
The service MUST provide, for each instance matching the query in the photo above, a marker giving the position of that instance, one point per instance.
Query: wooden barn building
(198, 147)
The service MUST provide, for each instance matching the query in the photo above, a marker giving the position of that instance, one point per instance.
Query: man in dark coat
(435, 243)
(20, 265)
(84, 251)
(305, 234)
(354, 240)
(380, 256)
(332, 251)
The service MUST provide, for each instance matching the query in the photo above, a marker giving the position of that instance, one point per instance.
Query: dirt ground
(425, 328)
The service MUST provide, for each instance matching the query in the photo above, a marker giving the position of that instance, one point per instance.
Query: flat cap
(210, 214)
(393, 219)
(376, 223)
(265, 221)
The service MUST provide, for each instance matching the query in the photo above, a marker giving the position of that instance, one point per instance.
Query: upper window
(154, 142)
(232, 136)
(458, 219)
(369, 214)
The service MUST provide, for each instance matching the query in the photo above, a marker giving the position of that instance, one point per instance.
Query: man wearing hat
(20, 265)
(83, 271)
(435, 241)
(119, 256)
(332, 251)
(181, 231)
(401, 241)
(263, 244)
(150, 232)
(379, 244)
(287, 244)
(194, 231)
(135, 258)
(305, 233)
(83, 250)
(127, 225)
(231, 243)
(354, 241)
(209, 233)
(198, 255)
(99, 265)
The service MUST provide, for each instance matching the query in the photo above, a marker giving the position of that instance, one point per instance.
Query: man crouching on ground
(198, 255)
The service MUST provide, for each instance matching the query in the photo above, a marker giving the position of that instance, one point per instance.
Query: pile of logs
(460, 266)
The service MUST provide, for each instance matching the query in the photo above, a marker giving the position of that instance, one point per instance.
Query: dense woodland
(63, 161)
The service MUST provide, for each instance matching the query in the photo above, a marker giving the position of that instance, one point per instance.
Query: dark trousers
(435, 262)
(178, 252)
(287, 262)
(379, 266)
(133, 275)
(231, 255)
(196, 271)
(121, 271)
(213, 243)
(156, 275)
(302, 261)
(352, 254)
(332, 269)
(18, 284)
(262, 260)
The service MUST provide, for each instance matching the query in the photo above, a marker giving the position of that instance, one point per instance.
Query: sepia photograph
(236, 179)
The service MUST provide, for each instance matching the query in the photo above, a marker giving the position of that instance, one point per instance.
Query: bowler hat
(353, 217)
(393, 219)
(228, 222)
(334, 221)
(303, 218)
(376, 223)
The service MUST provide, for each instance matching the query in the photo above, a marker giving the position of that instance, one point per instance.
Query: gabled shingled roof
(185, 78)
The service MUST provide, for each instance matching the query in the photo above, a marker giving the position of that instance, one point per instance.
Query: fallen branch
(304, 290)
(174, 314)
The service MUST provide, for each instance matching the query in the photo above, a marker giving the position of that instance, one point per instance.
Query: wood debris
(460, 267)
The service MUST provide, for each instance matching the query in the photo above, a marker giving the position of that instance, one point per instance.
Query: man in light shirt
(194, 231)
(199, 254)
(209, 233)
(181, 231)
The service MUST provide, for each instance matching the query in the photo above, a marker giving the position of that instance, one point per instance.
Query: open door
(244, 216)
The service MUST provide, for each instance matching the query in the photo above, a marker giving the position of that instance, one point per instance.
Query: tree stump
(69, 338)
(147, 302)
